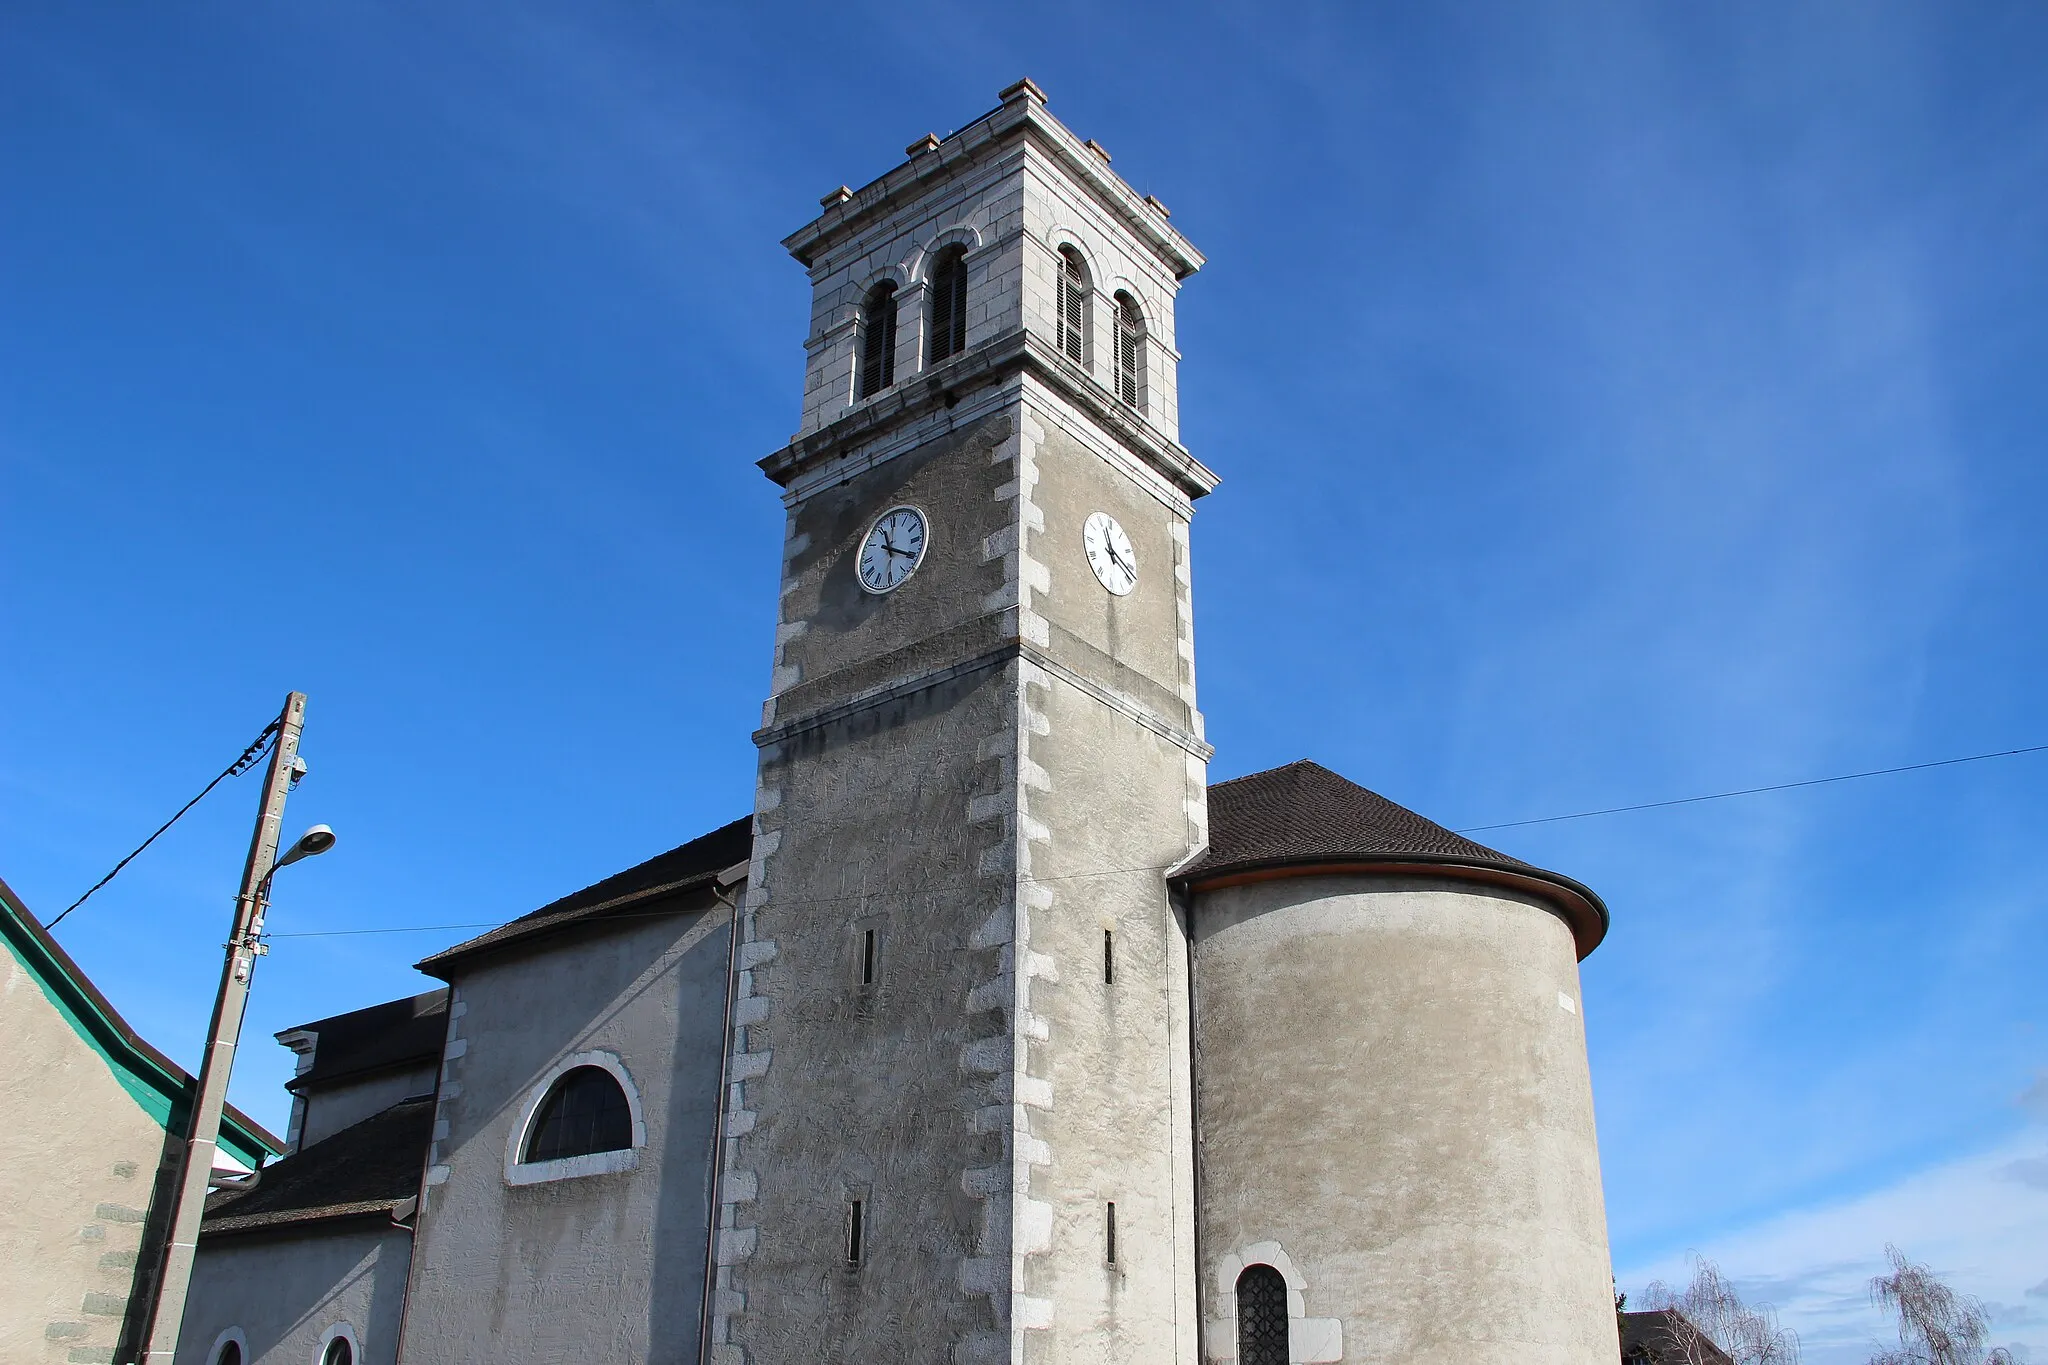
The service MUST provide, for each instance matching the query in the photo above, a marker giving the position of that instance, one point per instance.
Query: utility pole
(195, 1161)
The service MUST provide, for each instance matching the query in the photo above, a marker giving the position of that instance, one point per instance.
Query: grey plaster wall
(83, 1156)
(989, 816)
(335, 1107)
(606, 1267)
(1121, 802)
(872, 1093)
(286, 1293)
(1394, 1106)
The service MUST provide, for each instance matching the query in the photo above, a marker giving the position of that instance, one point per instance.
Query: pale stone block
(1315, 1339)
(736, 1245)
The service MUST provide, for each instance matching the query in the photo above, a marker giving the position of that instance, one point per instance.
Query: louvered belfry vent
(1261, 1317)
(949, 304)
(1073, 306)
(1130, 351)
(877, 340)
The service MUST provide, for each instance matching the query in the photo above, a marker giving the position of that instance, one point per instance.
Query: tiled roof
(685, 868)
(368, 1168)
(1660, 1337)
(397, 1033)
(1303, 815)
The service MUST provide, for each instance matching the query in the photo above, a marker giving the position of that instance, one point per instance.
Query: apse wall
(1394, 1110)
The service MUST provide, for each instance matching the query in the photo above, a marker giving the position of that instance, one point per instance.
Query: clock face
(892, 549)
(1110, 553)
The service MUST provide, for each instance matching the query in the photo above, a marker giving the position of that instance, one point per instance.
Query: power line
(256, 750)
(1753, 791)
(899, 892)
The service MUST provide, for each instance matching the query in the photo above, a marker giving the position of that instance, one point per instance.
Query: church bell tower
(957, 1119)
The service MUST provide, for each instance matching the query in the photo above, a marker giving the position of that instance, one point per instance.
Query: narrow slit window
(1261, 1317)
(877, 340)
(1109, 957)
(1073, 302)
(856, 1232)
(949, 304)
(1109, 1231)
(867, 958)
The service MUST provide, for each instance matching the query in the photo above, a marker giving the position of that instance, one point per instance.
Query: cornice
(1021, 115)
(990, 362)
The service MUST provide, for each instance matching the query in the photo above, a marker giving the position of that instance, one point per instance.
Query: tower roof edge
(1021, 116)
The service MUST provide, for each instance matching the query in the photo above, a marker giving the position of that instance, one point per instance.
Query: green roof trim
(159, 1086)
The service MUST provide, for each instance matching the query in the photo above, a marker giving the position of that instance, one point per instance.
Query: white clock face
(1110, 553)
(892, 549)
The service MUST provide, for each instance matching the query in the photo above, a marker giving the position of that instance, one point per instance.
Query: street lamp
(244, 946)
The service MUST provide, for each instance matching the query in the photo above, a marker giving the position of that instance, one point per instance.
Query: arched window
(585, 1112)
(338, 1352)
(1073, 306)
(230, 1353)
(1261, 1317)
(1130, 351)
(949, 304)
(877, 340)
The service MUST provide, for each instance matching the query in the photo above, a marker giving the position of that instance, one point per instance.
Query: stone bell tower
(957, 1116)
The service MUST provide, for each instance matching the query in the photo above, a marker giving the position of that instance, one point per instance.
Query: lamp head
(314, 841)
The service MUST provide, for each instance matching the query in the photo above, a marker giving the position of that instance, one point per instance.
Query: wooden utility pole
(244, 945)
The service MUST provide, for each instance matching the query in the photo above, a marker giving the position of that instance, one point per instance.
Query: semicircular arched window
(949, 304)
(1261, 1316)
(1074, 290)
(230, 1353)
(586, 1111)
(338, 1352)
(877, 340)
(1130, 351)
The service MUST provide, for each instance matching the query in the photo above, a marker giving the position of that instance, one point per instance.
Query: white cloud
(1981, 1221)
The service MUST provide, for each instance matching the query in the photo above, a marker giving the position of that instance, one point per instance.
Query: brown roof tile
(1303, 816)
(684, 868)
(368, 1168)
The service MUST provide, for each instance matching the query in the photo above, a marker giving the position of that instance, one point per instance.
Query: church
(994, 1032)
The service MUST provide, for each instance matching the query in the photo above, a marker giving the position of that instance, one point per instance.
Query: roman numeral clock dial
(892, 549)
(1110, 553)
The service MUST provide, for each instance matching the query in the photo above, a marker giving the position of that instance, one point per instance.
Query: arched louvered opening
(877, 340)
(1130, 351)
(949, 304)
(1074, 291)
(585, 1112)
(1261, 1317)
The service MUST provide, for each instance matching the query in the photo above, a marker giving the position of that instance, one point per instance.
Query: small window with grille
(949, 304)
(877, 340)
(1130, 352)
(1073, 306)
(1261, 1317)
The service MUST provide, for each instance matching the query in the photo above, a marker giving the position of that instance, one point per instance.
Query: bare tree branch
(1937, 1326)
(1709, 1324)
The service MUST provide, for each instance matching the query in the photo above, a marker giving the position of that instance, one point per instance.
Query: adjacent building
(95, 1116)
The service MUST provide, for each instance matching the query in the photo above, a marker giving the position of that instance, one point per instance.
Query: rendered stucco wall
(605, 1267)
(1395, 1109)
(989, 816)
(82, 1156)
(335, 1107)
(287, 1292)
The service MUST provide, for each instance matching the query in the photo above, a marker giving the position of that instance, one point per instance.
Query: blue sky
(1614, 401)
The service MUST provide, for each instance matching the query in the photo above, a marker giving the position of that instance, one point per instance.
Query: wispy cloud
(1981, 1221)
